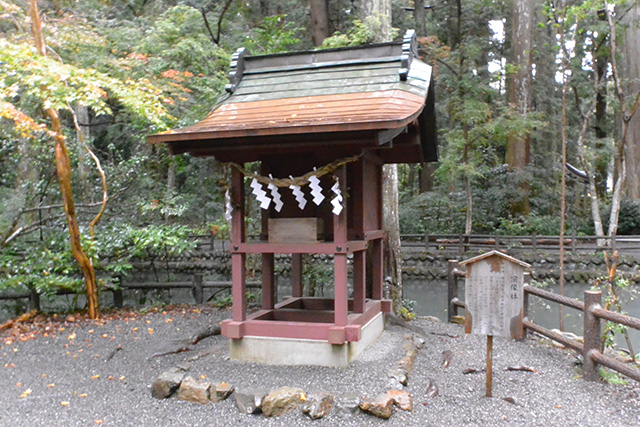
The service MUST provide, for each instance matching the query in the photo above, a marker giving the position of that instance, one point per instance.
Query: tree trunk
(171, 185)
(419, 18)
(380, 9)
(519, 85)
(83, 184)
(602, 63)
(426, 176)
(390, 221)
(391, 224)
(319, 10)
(628, 110)
(631, 73)
(63, 168)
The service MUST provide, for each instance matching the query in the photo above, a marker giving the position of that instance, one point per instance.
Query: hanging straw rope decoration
(300, 180)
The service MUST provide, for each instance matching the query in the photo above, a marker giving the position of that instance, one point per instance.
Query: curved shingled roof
(374, 93)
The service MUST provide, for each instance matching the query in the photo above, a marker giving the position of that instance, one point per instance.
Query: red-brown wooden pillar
(268, 277)
(268, 282)
(359, 280)
(341, 295)
(378, 269)
(239, 309)
(296, 275)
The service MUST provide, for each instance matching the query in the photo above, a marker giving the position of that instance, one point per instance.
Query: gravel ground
(68, 378)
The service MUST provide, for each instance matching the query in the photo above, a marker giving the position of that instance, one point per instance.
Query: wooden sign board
(295, 230)
(494, 295)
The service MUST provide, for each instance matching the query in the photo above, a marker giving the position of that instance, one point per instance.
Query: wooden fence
(197, 286)
(591, 348)
(464, 242)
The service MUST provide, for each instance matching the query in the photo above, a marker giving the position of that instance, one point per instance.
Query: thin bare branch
(215, 38)
(208, 27)
(50, 207)
(103, 177)
(448, 66)
(28, 229)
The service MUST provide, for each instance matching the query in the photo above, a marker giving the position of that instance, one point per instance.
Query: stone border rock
(283, 400)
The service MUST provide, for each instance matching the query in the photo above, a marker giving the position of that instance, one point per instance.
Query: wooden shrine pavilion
(339, 115)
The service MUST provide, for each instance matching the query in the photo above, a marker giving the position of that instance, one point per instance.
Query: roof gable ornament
(237, 69)
(498, 254)
(409, 51)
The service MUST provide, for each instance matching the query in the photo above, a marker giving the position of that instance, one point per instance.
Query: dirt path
(87, 373)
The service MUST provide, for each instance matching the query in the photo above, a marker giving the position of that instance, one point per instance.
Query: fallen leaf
(95, 377)
(105, 335)
(65, 403)
(121, 378)
(25, 393)
(150, 330)
(203, 376)
(52, 385)
(98, 421)
(510, 400)
(82, 395)
(521, 368)
(111, 377)
(432, 390)
(472, 371)
(72, 336)
(447, 355)
(169, 320)
(18, 384)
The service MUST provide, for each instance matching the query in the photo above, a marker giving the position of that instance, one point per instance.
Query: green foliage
(629, 220)
(406, 311)
(525, 226)
(45, 266)
(612, 377)
(360, 33)
(223, 301)
(48, 265)
(615, 291)
(30, 80)
(274, 35)
(315, 275)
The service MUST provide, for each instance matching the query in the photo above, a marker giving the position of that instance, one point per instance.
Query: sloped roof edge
(373, 87)
(495, 253)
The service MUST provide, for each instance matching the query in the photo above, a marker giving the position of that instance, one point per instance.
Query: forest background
(522, 88)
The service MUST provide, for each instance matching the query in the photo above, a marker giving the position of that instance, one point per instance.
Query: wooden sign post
(494, 296)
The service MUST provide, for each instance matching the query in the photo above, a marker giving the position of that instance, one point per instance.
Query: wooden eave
(353, 97)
